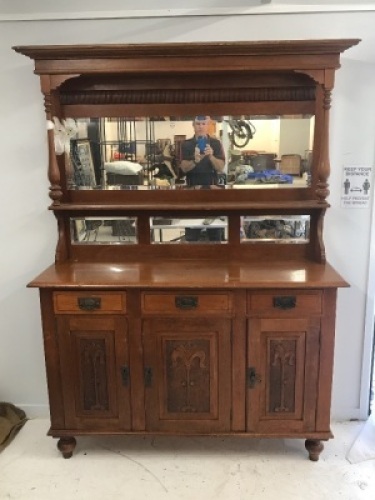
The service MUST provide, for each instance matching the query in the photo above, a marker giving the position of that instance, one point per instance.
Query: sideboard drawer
(295, 302)
(89, 302)
(186, 301)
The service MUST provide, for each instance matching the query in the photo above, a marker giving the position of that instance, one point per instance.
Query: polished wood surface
(83, 302)
(189, 274)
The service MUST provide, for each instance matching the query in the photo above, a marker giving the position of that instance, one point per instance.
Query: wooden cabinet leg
(314, 447)
(66, 445)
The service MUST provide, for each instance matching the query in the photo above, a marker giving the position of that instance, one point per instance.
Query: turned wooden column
(324, 168)
(53, 169)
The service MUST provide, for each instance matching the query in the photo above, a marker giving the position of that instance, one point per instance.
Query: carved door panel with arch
(187, 374)
(282, 374)
(95, 372)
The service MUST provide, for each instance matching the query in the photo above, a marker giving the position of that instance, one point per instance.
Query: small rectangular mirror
(275, 229)
(189, 231)
(103, 231)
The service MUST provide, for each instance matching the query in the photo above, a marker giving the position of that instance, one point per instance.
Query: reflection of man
(202, 156)
(202, 159)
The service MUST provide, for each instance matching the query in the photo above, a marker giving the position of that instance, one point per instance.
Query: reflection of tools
(241, 132)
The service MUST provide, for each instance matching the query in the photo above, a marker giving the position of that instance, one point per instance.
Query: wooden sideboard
(142, 336)
(213, 348)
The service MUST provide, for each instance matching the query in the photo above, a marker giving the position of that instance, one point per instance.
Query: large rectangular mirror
(232, 152)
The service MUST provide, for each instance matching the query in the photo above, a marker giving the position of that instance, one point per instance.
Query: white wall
(28, 230)
(295, 136)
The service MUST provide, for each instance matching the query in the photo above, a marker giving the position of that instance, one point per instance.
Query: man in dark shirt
(202, 156)
(202, 160)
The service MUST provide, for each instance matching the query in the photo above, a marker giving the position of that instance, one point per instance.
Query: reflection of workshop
(92, 230)
(294, 229)
(146, 151)
(202, 230)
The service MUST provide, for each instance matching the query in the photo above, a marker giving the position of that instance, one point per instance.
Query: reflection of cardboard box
(290, 164)
(126, 180)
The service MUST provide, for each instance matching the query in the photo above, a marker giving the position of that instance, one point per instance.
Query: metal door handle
(125, 374)
(148, 377)
(252, 378)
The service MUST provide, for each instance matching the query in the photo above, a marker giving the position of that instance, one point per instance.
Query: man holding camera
(202, 156)
(202, 160)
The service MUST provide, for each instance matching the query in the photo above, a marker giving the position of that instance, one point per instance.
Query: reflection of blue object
(271, 175)
(202, 143)
(127, 147)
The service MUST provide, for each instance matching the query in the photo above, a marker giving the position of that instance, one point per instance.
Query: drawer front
(89, 302)
(285, 302)
(186, 302)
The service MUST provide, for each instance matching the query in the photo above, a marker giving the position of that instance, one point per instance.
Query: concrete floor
(137, 468)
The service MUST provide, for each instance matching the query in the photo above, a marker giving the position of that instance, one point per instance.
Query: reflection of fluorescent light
(298, 275)
(116, 269)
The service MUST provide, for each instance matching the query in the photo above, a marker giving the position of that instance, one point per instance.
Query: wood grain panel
(68, 302)
(201, 303)
(305, 302)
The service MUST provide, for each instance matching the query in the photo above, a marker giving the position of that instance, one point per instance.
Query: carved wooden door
(282, 374)
(94, 372)
(187, 374)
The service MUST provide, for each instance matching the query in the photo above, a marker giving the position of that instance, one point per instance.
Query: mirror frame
(191, 78)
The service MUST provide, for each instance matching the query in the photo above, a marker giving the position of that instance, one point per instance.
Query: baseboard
(343, 414)
(35, 411)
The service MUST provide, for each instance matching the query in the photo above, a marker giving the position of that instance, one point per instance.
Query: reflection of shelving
(123, 138)
(134, 140)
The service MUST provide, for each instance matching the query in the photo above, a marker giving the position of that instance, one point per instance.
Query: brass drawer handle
(89, 303)
(285, 302)
(186, 302)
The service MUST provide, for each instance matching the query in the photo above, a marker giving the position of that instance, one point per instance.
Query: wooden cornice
(189, 57)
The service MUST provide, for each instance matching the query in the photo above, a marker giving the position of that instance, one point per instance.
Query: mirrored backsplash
(189, 230)
(275, 229)
(108, 231)
(148, 152)
(269, 229)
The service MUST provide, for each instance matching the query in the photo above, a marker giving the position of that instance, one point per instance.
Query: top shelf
(117, 51)
(206, 198)
(183, 58)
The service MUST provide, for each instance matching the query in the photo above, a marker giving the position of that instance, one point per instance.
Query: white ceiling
(69, 9)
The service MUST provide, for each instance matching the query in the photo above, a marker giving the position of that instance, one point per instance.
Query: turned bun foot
(314, 447)
(66, 445)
